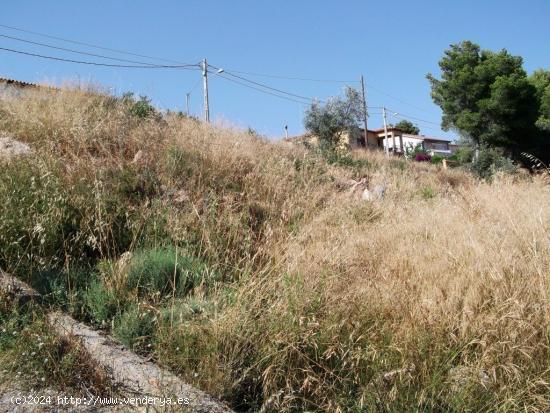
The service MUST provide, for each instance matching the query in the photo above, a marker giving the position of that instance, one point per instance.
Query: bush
(463, 155)
(341, 158)
(140, 108)
(101, 303)
(490, 161)
(164, 271)
(135, 327)
(417, 152)
(428, 192)
(422, 157)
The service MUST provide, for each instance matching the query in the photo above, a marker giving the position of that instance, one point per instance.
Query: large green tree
(488, 98)
(407, 126)
(541, 81)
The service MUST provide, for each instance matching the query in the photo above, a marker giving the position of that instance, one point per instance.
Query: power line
(413, 118)
(195, 86)
(279, 90)
(258, 89)
(74, 51)
(267, 86)
(395, 98)
(187, 67)
(91, 45)
(292, 78)
(182, 65)
(308, 99)
(231, 72)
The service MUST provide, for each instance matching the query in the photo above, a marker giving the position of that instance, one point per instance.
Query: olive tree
(328, 121)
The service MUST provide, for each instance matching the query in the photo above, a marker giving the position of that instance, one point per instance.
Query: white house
(398, 141)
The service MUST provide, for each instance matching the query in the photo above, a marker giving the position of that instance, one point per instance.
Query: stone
(378, 192)
(180, 197)
(13, 289)
(138, 157)
(11, 148)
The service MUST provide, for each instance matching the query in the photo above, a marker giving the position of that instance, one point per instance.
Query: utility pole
(365, 114)
(205, 89)
(187, 102)
(385, 132)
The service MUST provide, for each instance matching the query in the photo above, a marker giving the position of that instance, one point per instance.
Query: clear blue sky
(393, 43)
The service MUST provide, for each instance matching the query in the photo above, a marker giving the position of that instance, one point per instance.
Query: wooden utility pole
(187, 102)
(385, 132)
(205, 90)
(365, 114)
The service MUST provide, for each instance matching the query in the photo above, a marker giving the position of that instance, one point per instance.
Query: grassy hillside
(249, 269)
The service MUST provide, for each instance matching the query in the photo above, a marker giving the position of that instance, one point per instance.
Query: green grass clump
(136, 327)
(101, 303)
(428, 192)
(165, 272)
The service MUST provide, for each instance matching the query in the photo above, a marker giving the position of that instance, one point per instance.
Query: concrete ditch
(145, 386)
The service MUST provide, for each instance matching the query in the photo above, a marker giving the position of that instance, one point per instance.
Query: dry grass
(434, 298)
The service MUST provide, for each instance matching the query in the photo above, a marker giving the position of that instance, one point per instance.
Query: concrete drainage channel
(140, 379)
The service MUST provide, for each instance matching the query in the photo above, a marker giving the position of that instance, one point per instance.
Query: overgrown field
(249, 269)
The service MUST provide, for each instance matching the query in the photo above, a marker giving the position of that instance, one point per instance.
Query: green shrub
(165, 271)
(101, 303)
(135, 327)
(62, 288)
(490, 161)
(437, 159)
(140, 108)
(428, 192)
(463, 155)
(189, 308)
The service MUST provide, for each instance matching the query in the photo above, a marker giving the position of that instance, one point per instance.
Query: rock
(366, 195)
(377, 192)
(391, 376)
(11, 148)
(461, 376)
(16, 290)
(180, 197)
(138, 157)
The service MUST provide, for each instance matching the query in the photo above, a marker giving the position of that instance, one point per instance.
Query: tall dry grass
(434, 298)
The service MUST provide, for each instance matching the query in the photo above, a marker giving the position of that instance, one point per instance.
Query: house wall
(354, 140)
(411, 141)
(348, 140)
(376, 140)
(408, 141)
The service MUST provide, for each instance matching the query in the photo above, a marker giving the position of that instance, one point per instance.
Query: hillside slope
(252, 270)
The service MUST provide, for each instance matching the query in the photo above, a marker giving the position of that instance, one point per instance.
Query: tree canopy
(541, 81)
(488, 98)
(407, 126)
(339, 114)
